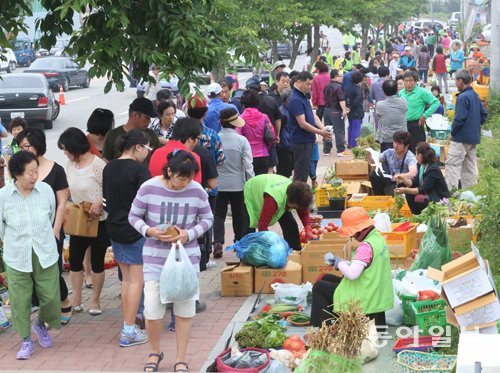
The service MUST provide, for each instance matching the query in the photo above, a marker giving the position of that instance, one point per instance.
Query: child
(16, 126)
(436, 91)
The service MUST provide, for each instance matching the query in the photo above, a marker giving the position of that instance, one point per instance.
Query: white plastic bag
(394, 316)
(415, 281)
(369, 350)
(382, 222)
(295, 295)
(178, 279)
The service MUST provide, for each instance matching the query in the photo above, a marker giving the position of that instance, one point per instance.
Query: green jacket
(373, 288)
(256, 187)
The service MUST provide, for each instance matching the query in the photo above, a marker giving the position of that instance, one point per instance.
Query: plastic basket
(402, 263)
(401, 244)
(408, 311)
(371, 203)
(322, 195)
(429, 313)
(440, 134)
(423, 362)
(425, 344)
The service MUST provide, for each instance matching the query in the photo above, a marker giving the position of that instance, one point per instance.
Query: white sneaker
(211, 264)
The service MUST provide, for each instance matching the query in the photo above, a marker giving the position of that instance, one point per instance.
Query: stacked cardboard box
(352, 170)
(236, 280)
(469, 290)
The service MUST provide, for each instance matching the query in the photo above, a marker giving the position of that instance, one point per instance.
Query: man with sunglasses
(139, 116)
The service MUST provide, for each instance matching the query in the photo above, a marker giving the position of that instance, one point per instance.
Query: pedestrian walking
(122, 177)
(335, 113)
(84, 173)
(456, 57)
(171, 198)
(354, 101)
(470, 114)
(440, 69)
(100, 122)
(284, 147)
(16, 126)
(318, 86)
(27, 210)
(423, 62)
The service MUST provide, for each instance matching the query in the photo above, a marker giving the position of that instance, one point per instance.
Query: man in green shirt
(418, 99)
(140, 112)
(431, 42)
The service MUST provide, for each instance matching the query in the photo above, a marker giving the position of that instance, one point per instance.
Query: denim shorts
(128, 253)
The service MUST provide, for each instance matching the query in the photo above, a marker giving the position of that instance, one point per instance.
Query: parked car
(170, 84)
(8, 62)
(24, 51)
(454, 19)
(61, 71)
(27, 96)
(284, 50)
(427, 23)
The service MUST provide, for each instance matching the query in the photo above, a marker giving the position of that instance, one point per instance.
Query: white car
(487, 32)
(427, 23)
(8, 62)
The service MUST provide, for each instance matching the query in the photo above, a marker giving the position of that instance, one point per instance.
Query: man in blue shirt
(407, 60)
(470, 114)
(212, 120)
(305, 125)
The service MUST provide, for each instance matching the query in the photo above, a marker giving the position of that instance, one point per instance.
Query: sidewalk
(90, 343)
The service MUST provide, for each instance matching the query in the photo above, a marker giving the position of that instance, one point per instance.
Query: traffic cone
(62, 100)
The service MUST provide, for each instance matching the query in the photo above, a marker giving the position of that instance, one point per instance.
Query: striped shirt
(26, 226)
(155, 204)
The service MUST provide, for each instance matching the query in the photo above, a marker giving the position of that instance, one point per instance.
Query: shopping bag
(178, 279)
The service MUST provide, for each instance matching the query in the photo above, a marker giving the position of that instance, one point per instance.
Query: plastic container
(408, 311)
(401, 244)
(422, 362)
(425, 344)
(371, 203)
(337, 203)
(429, 313)
(322, 196)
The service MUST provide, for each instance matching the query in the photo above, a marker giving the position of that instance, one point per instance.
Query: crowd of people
(253, 149)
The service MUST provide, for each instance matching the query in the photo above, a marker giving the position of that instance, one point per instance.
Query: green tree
(11, 20)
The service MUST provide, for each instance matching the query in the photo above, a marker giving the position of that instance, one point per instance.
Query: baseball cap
(144, 106)
(253, 82)
(214, 88)
(196, 102)
(407, 49)
(279, 64)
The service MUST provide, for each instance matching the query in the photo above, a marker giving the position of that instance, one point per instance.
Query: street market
(321, 197)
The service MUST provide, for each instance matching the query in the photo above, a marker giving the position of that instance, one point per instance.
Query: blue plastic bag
(261, 249)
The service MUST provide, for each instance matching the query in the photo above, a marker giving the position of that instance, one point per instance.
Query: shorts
(128, 253)
(155, 310)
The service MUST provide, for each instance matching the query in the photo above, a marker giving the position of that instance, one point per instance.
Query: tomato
(329, 228)
(303, 239)
(331, 223)
(314, 231)
(320, 230)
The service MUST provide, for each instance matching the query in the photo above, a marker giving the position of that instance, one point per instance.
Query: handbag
(268, 134)
(178, 279)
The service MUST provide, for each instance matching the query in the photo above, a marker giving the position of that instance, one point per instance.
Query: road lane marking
(77, 99)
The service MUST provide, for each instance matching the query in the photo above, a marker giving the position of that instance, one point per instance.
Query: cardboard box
(460, 238)
(479, 311)
(352, 169)
(295, 256)
(290, 274)
(76, 221)
(464, 279)
(236, 280)
(313, 260)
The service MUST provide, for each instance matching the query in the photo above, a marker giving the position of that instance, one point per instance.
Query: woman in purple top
(175, 199)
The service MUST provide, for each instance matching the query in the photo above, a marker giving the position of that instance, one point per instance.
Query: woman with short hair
(84, 172)
(27, 210)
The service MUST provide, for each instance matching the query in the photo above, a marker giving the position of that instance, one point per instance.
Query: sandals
(95, 311)
(78, 309)
(65, 319)
(151, 366)
(181, 370)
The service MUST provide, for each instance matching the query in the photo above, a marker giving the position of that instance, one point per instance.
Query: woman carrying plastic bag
(168, 209)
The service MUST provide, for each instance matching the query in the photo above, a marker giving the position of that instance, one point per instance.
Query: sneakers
(345, 153)
(44, 338)
(139, 337)
(27, 349)
(218, 250)
(211, 264)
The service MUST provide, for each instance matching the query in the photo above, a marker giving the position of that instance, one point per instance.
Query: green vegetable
(299, 318)
(277, 308)
(263, 333)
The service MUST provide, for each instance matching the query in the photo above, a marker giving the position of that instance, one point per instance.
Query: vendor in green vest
(367, 277)
(269, 199)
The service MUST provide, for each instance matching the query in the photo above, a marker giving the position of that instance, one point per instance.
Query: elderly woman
(429, 183)
(33, 140)
(170, 198)
(163, 126)
(27, 210)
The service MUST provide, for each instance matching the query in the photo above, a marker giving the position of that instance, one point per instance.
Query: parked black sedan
(60, 71)
(27, 96)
